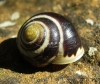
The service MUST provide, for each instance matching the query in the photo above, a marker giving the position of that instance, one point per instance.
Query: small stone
(92, 50)
(7, 23)
(81, 73)
(90, 21)
(14, 36)
(15, 16)
(2, 2)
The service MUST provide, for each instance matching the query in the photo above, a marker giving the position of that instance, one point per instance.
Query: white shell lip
(66, 60)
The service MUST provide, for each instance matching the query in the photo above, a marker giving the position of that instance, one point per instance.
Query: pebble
(14, 36)
(7, 24)
(90, 21)
(91, 51)
(15, 16)
(2, 2)
(81, 73)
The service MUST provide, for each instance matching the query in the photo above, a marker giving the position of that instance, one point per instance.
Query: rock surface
(13, 68)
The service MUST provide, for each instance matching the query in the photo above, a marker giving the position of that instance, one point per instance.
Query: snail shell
(49, 38)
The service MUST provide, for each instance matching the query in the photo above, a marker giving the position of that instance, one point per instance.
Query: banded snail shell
(49, 38)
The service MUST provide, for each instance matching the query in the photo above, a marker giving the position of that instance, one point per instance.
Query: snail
(49, 38)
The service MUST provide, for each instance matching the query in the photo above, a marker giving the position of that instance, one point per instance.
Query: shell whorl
(48, 37)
